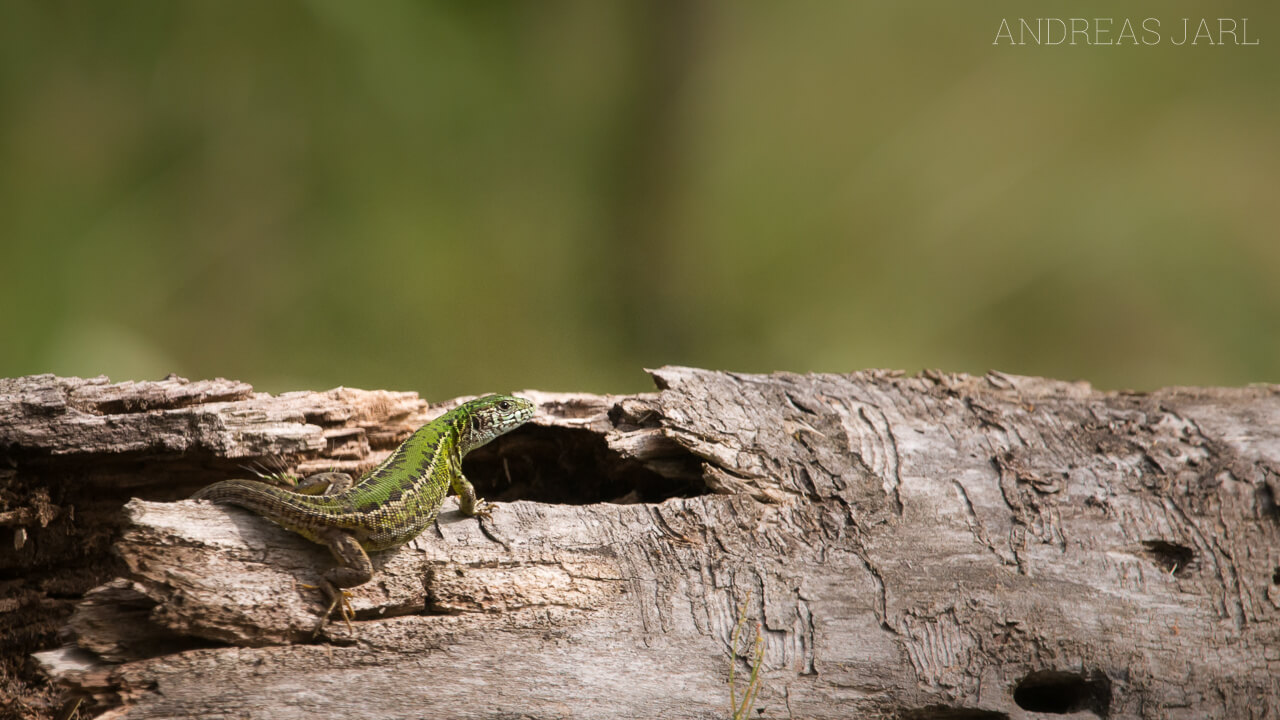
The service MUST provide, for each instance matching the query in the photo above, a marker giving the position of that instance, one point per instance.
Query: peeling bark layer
(941, 546)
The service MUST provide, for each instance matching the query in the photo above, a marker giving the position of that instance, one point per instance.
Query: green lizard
(392, 503)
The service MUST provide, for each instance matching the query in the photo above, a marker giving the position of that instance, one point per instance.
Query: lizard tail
(303, 514)
(250, 494)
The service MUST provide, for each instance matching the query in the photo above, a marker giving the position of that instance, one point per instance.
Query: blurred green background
(463, 197)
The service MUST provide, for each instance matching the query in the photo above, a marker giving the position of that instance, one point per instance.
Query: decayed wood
(941, 546)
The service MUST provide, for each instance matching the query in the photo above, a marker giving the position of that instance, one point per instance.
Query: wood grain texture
(941, 546)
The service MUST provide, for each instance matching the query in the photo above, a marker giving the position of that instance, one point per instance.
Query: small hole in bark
(1052, 691)
(1171, 557)
(1267, 501)
(1275, 576)
(577, 467)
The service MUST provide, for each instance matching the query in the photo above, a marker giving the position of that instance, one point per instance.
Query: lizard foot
(484, 509)
(337, 598)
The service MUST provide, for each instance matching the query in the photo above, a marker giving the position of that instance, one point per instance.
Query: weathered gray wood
(941, 546)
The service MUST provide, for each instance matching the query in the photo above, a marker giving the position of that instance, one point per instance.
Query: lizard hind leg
(325, 483)
(354, 568)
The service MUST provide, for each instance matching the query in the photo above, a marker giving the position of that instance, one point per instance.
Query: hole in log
(1053, 691)
(577, 467)
(1275, 576)
(1171, 557)
(1267, 501)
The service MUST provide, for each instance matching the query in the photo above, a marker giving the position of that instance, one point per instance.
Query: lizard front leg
(468, 503)
(354, 568)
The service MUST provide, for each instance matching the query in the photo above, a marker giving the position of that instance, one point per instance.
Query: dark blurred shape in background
(466, 197)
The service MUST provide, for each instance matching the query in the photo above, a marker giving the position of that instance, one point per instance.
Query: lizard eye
(504, 405)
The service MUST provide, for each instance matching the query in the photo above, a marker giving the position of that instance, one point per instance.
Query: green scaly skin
(392, 503)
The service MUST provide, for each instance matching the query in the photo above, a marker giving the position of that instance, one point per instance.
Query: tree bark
(940, 546)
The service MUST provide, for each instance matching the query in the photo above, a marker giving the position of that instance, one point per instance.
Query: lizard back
(399, 498)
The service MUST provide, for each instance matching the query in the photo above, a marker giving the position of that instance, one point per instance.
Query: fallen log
(940, 546)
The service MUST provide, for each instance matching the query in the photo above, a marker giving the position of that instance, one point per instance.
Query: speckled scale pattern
(399, 498)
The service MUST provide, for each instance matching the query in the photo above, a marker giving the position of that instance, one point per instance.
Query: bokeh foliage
(463, 197)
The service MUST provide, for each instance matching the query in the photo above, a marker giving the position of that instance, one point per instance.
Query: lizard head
(491, 416)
